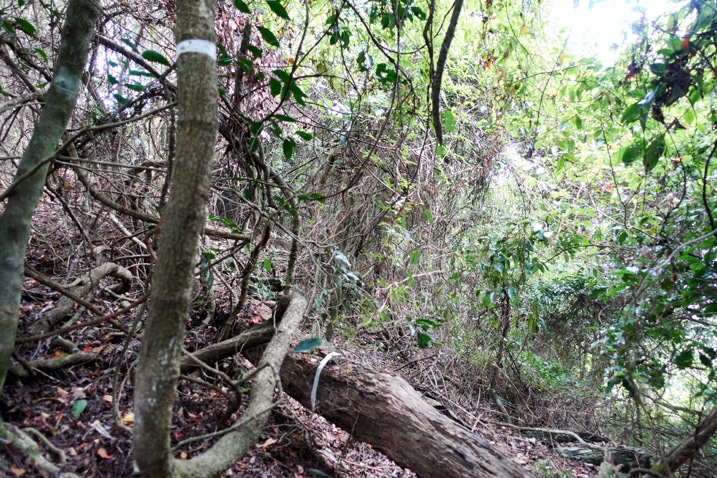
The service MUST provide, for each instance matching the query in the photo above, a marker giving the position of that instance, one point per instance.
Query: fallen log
(629, 457)
(382, 410)
(385, 411)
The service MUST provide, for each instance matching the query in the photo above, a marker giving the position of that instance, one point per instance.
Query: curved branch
(232, 446)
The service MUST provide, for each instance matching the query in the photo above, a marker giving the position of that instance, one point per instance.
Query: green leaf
(42, 53)
(78, 406)
(255, 51)
(632, 113)
(26, 26)
(449, 120)
(278, 8)
(705, 360)
(311, 197)
(135, 86)
(121, 99)
(423, 339)
(426, 324)
(224, 58)
(299, 94)
(284, 76)
(286, 118)
(304, 135)
(414, 257)
(658, 69)
(241, 6)
(653, 152)
(267, 265)
(675, 43)
(418, 13)
(307, 345)
(275, 86)
(268, 36)
(245, 64)
(632, 152)
(288, 147)
(156, 57)
(429, 216)
(684, 359)
(317, 197)
(364, 61)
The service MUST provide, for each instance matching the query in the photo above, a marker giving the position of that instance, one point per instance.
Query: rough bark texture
(388, 413)
(30, 176)
(706, 429)
(183, 220)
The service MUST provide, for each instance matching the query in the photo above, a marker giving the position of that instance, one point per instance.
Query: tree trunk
(183, 220)
(30, 176)
(388, 413)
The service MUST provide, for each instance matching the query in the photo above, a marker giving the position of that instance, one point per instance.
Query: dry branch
(52, 364)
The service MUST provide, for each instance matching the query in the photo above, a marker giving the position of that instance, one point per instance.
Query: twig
(60, 454)
(419, 359)
(55, 363)
(72, 138)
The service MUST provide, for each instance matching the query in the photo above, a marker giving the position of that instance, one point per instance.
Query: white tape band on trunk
(204, 47)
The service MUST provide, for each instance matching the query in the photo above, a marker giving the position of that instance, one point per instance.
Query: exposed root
(20, 443)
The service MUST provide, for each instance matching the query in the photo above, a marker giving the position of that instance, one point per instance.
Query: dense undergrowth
(555, 254)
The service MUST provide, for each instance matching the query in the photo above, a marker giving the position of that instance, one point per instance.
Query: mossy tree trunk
(26, 188)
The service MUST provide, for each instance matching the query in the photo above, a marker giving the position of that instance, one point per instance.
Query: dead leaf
(18, 471)
(128, 418)
(102, 453)
(97, 426)
(268, 442)
(78, 392)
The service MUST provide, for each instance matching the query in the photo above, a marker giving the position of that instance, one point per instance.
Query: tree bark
(388, 413)
(183, 220)
(29, 179)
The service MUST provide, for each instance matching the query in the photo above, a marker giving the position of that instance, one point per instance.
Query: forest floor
(82, 415)
(88, 427)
